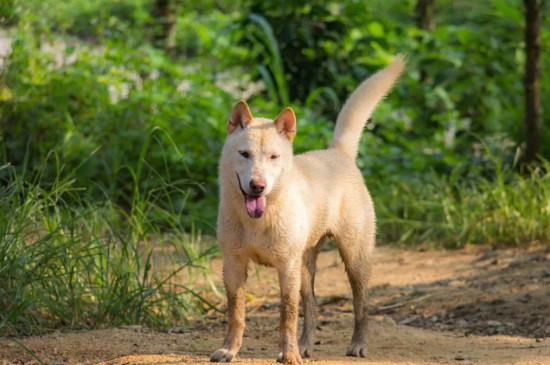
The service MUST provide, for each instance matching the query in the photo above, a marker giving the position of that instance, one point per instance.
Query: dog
(278, 209)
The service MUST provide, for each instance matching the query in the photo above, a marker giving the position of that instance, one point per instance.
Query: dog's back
(333, 185)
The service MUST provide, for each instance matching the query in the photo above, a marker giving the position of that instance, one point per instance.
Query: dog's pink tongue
(255, 205)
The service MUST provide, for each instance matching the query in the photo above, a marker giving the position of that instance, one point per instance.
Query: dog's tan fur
(303, 199)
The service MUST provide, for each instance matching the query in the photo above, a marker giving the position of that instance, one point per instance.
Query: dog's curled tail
(360, 105)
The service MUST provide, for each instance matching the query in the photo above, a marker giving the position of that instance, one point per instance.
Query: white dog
(277, 209)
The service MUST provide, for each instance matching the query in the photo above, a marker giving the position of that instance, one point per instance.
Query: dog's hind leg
(355, 250)
(309, 305)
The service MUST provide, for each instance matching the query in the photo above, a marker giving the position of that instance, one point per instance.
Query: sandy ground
(473, 306)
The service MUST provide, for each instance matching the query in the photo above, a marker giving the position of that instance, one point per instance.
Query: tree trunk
(531, 81)
(165, 21)
(425, 18)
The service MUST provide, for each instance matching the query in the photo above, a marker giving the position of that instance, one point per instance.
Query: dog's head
(257, 152)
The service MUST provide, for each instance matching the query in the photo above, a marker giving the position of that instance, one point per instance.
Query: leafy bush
(107, 105)
(8, 12)
(467, 85)
(102, 112)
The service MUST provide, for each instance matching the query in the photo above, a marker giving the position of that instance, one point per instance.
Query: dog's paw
(222, 355)
(290, 358)
(306, 350)
(357, 350)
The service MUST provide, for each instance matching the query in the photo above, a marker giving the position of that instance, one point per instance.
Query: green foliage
(97, 20)
(7, 12)
(97, 103)
(505, 208)
(459, 80)
(325, 48)
(68, 262)
(99, 111)
(110, 146)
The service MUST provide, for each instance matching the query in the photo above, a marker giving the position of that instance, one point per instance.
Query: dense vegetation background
(112, 117)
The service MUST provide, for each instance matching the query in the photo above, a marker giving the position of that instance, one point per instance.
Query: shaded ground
(427, 308)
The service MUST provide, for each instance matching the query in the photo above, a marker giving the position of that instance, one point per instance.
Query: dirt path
(427, 308)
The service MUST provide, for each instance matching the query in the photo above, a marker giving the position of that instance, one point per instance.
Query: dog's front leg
(289, 281)
(234, 277)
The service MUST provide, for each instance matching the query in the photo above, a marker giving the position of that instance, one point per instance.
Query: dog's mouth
(255, 204)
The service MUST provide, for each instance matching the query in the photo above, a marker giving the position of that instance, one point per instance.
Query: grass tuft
(68, 262)
(509, 207)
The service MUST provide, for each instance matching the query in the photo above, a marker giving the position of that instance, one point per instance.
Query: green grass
(68, 262)
(509, 207)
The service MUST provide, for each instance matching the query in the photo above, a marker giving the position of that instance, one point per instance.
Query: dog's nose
(257, 186)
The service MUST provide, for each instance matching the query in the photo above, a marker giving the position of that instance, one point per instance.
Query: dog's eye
(244, 154)
(274, 157)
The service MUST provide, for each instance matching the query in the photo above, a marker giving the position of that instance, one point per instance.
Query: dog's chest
(266, 247)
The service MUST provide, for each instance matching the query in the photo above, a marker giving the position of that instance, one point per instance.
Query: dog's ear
(286, 122)
(240, 117)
